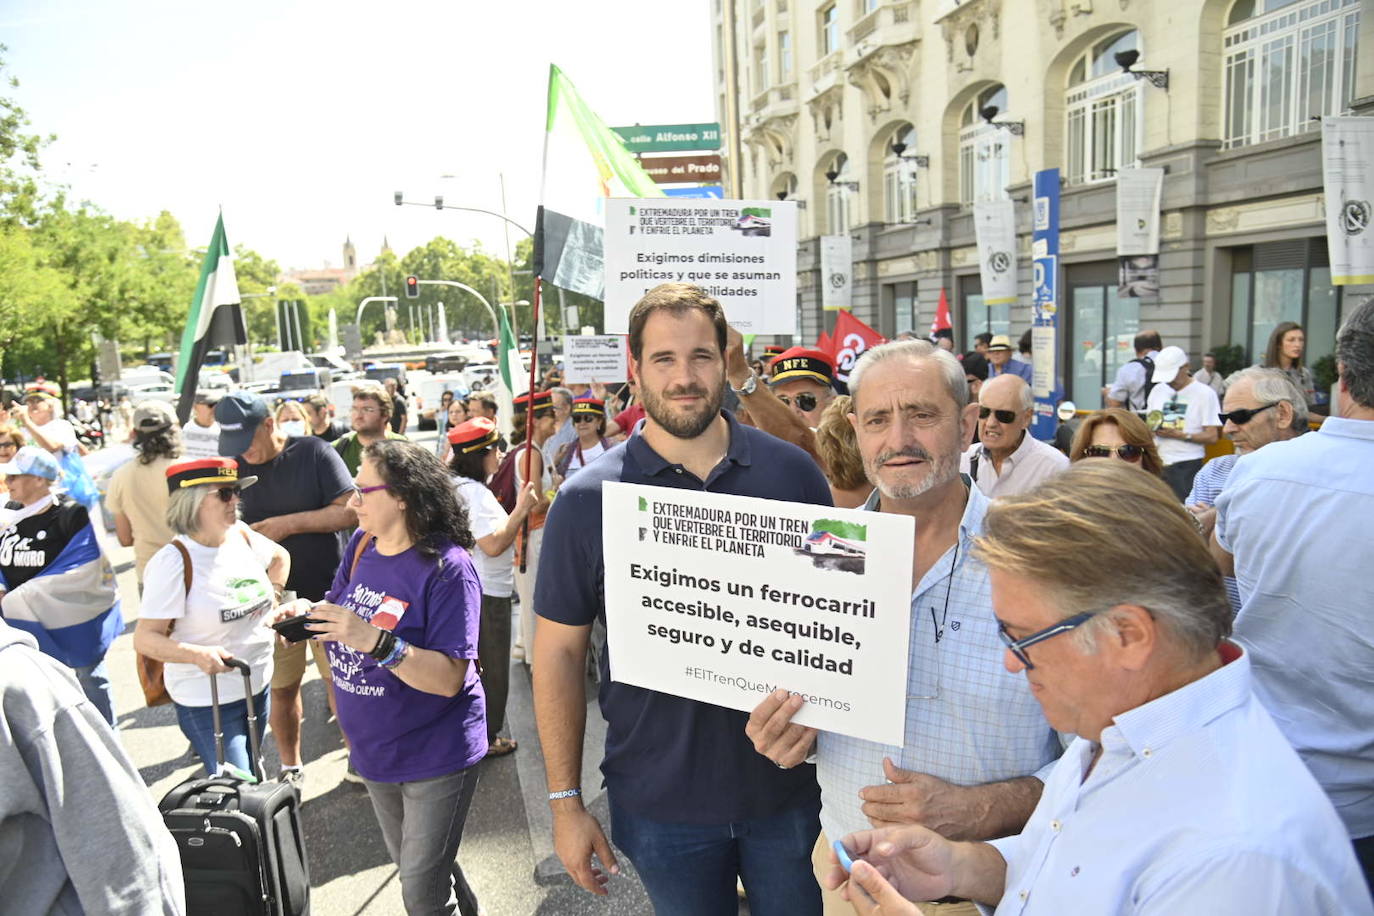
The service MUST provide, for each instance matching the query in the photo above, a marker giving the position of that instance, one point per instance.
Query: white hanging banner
(994, 226)
(1138, 195)
(1347, 163)
(837, 272)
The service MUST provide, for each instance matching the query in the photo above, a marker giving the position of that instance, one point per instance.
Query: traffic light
(398, 198)
(412, 287)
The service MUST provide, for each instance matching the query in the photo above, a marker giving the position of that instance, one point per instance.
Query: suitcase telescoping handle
(255, 749)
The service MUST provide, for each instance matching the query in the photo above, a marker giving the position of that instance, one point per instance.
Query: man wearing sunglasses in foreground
(1179, 794)
(1007, 459)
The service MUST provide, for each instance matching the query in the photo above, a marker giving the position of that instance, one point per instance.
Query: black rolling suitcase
(241, 843)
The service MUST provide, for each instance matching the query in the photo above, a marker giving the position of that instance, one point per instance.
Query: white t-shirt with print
(229, 605)
(59, 431)
(1194, 407)
(486, 516)
(200, 441)
(581, 458)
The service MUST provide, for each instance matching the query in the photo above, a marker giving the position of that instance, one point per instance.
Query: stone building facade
(978, 95)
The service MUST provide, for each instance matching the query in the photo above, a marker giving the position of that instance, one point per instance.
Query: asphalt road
(507, 850)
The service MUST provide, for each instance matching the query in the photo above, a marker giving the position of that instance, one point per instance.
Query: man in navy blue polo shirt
(692, 804)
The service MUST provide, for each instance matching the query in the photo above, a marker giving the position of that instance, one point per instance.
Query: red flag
(851, 338)
(825, 344)
(942, 320)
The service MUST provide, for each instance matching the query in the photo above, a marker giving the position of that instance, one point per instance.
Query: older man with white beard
(976, 743)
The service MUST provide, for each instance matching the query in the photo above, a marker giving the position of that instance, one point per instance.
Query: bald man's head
(1004, 411)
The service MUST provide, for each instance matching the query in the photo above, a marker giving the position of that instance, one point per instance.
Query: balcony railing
(777, 100)
(826, 71)
(894, 22)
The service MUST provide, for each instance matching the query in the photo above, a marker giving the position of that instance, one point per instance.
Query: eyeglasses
(806, 401)
(584, 418)
(360, 492)
(226, 494)
(1244, 415)
(1131, 453)
(1003, 416)
(1018, 647)
(8, 445)
(365, 410)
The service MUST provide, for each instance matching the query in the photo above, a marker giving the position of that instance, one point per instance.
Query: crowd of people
(1152, 695)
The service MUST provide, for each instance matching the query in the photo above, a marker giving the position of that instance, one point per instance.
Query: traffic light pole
(495, 323)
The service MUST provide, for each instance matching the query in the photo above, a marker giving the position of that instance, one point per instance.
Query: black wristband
(385, 642)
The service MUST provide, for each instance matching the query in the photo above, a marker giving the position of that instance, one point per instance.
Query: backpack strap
(185, 564)
(973, 467)
(358, 553)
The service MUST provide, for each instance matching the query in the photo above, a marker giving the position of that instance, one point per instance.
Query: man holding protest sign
(975, 738)
(689, 832)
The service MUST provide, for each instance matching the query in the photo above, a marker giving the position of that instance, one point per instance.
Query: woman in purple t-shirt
(401, 623)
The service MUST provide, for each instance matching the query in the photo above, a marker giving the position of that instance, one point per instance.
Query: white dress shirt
(1031, 464)
(968, 720)
(1196, 805)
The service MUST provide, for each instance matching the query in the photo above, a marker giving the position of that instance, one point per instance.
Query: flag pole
(528, 457)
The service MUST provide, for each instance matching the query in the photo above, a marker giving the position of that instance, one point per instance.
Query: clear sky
(301, 118)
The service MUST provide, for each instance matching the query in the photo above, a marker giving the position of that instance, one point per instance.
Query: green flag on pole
(215, 318)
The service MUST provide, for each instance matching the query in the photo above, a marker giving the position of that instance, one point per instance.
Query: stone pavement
(507, 850)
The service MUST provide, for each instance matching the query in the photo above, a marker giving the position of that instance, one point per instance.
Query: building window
(1284, 281)
(977, 317)
(830, 30)
(1104, 113)
(784, 56)
(1100, 332)
(901, 299)
(1286, 63)
(839, 199)
(761, 71)
(899, 177)
(984, 161)
(867, 6)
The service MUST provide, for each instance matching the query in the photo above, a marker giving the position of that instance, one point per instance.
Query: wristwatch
(749, 386)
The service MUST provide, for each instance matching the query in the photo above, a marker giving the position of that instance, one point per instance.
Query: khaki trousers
(835, 905)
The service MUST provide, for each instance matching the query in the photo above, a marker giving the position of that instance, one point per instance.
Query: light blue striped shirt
(980, 724)
(1207, 486)
(1296, 516)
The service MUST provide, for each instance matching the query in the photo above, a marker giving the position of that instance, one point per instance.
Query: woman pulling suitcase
(401, 624)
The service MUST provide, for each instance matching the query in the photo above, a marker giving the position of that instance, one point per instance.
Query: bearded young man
(690, 831)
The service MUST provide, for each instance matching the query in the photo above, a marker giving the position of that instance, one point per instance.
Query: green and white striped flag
(215, 319)
(513, 375)
(585, 162)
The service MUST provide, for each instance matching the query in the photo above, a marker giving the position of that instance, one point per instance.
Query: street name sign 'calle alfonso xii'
(723, 599)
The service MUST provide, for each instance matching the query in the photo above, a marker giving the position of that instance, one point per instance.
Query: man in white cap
(1191, 418)
(1000, 360)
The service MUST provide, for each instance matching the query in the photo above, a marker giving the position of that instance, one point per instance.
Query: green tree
(19, 164)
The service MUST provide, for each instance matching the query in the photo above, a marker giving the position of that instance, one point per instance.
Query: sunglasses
(226, 494)
(1003, 416)
(1244, 415)
(1018, 647)
(1131, 453)
(806, 402)
(584, 418)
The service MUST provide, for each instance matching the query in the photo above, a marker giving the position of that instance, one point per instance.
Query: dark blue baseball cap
(238, 414)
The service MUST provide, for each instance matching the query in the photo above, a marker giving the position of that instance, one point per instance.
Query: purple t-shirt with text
(398, 733)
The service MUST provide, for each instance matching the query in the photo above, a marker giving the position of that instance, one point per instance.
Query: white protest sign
(594, 358)
(1138, 195)
(1348, 186)
(742, 252)
(723, 599)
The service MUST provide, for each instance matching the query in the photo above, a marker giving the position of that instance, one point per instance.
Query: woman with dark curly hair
(138, 490)
(401, 624)
(1117, 434)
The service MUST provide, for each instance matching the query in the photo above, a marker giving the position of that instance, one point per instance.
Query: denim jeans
(690, 869)
(422, 824)
(95, 683)
(198, 725)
